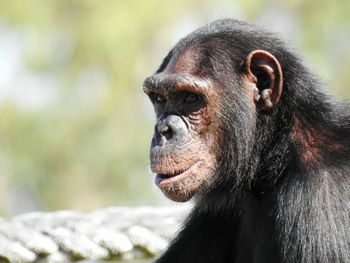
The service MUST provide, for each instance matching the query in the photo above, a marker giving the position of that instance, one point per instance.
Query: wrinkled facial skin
(182, 150)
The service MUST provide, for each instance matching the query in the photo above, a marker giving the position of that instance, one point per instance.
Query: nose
(171, 127)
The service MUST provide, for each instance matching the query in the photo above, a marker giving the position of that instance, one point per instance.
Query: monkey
(244, 129)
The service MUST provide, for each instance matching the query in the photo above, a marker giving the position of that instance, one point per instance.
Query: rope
(118, 233)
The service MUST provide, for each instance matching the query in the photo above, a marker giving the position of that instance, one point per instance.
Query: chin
(183, 185)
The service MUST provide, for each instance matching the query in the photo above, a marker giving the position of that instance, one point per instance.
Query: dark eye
(160, 98)
(156, 97)
(191, 98)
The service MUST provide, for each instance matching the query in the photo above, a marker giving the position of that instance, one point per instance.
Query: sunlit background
(74, 123)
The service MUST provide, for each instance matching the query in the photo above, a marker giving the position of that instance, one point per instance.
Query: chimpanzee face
(181, 154)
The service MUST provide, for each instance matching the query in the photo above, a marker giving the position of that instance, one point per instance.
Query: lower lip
(168, 179)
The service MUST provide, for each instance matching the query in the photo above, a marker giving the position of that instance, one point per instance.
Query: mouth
(174, 176)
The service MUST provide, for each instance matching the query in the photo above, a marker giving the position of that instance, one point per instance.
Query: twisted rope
(112, 233)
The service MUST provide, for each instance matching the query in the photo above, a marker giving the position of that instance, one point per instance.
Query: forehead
(187, 62)
(183, 71)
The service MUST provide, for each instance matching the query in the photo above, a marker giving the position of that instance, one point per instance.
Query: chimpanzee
(243, 128)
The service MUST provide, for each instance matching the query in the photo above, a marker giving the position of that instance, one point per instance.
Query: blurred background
(75, 126)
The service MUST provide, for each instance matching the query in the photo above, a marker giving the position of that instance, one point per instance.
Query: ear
(264, 71)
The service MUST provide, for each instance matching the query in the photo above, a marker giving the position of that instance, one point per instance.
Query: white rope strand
(112, 233)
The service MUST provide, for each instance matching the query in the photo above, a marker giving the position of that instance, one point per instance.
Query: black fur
(267, 204)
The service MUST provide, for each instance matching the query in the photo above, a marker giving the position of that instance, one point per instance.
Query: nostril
(166, 132)
(168, 128)
(162, 130)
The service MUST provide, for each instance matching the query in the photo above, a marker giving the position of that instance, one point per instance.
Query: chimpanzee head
(210, 96)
